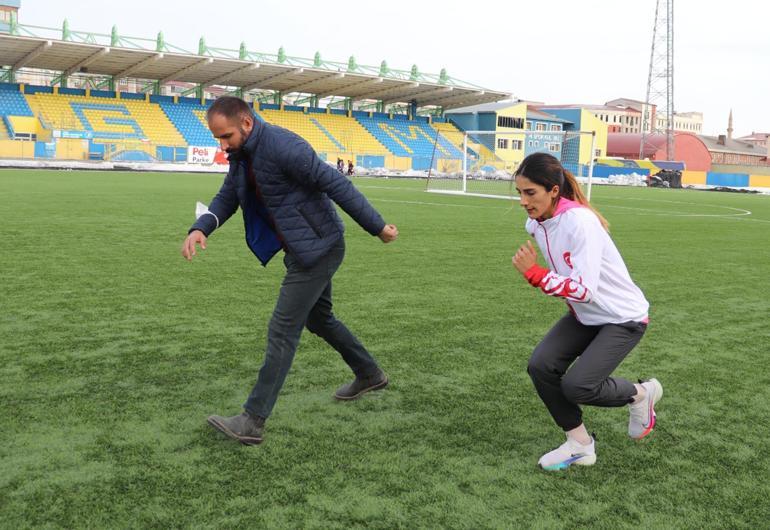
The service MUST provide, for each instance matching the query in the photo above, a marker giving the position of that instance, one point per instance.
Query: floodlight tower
(660, 79)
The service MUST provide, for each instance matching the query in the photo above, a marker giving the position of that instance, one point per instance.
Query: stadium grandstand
(71, 95)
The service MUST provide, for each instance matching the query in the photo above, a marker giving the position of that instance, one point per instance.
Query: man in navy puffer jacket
(285, 192)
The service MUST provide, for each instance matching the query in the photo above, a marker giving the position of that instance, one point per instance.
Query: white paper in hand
(200, 209)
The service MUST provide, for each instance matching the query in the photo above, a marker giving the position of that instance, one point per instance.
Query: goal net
(490, 159)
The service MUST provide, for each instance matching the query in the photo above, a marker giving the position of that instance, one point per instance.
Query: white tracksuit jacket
(586, 268)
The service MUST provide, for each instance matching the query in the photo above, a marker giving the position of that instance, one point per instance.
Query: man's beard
(231, 150)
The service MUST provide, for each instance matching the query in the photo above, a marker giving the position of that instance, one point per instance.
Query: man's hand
(389, 233)
(525, 257)
(196, 237)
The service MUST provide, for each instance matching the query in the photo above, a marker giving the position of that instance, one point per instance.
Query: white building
(691, 122)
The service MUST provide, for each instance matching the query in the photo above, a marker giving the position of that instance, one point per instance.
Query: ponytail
(571, 190)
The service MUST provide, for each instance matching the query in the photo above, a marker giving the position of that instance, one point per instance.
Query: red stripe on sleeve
(535, 274)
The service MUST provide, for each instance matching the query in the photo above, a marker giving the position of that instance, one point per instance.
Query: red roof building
(688, 148)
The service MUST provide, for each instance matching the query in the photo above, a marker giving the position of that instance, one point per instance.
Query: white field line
(389, 188)
(740, 213)
(424, 203)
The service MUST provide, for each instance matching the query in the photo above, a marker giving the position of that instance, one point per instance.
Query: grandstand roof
(222, 67)
(485, 107)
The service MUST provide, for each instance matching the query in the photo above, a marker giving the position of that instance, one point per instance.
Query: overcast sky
(555, 51)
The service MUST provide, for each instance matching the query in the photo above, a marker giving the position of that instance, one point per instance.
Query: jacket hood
(562, 206)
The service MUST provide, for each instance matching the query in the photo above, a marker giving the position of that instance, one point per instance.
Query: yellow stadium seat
(328, 133)
(110, 119)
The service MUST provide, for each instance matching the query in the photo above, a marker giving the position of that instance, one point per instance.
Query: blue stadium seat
(408, 138)
(184, 116)
(12, 102)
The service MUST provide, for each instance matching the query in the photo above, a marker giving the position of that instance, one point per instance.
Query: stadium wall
(17, 149)
(737, 168)
(759, 181)
(603, 172)
(728, 180)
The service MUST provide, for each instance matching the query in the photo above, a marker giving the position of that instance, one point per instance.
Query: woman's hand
(525, 257)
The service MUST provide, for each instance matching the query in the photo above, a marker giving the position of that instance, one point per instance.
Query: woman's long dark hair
(546, 170)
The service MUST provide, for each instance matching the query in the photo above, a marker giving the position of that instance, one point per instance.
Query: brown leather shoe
(362, 385)
(245, 428)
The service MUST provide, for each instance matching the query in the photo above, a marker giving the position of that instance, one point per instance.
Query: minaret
(730, 126)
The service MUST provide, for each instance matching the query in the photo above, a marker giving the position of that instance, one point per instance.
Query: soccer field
(114, 350)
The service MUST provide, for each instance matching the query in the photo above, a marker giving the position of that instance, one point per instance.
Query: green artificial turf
(114, 350)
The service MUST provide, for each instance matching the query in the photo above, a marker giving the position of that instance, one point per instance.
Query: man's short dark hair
(230, 107)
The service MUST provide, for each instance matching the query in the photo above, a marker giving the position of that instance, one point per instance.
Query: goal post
(490, 158)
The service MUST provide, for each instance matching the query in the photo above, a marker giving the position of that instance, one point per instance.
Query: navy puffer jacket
(297, 189)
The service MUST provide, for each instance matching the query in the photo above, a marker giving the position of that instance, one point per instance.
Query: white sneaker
(641, 419)
(568, 453)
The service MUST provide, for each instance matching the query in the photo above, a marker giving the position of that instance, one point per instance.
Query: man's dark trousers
(305, 299)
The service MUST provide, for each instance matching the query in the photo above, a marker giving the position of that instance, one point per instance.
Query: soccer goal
(490, 159)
